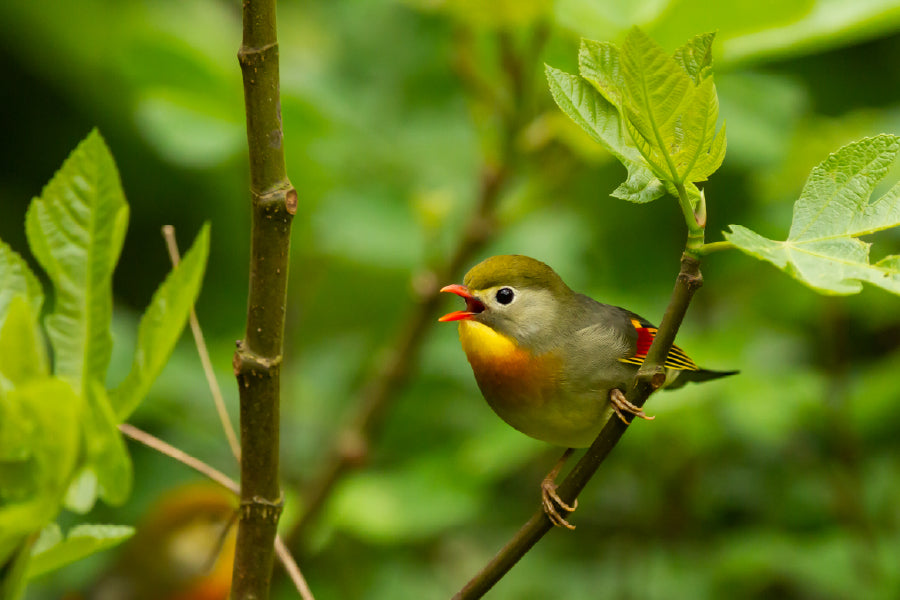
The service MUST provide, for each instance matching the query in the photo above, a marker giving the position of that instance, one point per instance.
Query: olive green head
(518, 296)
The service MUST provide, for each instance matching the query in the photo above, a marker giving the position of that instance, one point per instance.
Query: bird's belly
(528, 391)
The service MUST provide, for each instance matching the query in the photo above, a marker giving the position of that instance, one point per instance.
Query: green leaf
(671, 119)
(107, 457)
(599, 63)
(601, 120)
(13, 568)
(36, 466)
(695, 57)
(22, 354)
(659, 94)
(822, 249)
(161, 326)
(75, 230)
(17, 279)
(52, 552)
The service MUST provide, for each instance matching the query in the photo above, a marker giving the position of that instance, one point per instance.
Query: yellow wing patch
(676, 360)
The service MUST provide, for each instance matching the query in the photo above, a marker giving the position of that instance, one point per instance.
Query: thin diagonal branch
(172, 245)
(650, 377)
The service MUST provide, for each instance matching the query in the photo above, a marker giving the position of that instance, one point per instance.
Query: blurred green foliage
(781, 482)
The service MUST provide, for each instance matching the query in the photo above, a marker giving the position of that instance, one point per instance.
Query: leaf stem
(172, 245)
(714, 247)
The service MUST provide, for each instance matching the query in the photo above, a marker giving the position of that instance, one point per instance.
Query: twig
(258, 358)
(169, 234)
(650, 376)
(151, 441)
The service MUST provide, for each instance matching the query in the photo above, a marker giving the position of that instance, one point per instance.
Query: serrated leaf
(601, 120)
(695, 57)
(671, 119)
(599, 63)
(161, 326)
(822, 249)
(16, 278)
(52, 552)
(75, 230)
(22, 354)
(695, 160)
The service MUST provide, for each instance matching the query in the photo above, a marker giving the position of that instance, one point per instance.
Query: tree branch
(257, 361)
(650, 377)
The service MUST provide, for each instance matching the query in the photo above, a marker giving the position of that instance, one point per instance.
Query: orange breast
(506, 373)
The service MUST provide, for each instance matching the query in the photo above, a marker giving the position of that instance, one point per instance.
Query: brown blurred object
(182, 550)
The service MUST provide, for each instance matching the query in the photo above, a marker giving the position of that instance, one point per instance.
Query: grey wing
(601, 336)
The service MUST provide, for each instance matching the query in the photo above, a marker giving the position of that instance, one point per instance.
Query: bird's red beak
(473, 304)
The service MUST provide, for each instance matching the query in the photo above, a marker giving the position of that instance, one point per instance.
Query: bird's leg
(621, 404)
(550, 500)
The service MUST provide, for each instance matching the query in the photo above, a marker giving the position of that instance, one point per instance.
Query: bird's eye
(505, 295)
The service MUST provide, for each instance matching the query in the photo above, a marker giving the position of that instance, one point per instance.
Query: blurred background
(778, 483)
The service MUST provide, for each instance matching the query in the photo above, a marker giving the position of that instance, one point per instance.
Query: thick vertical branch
(650, 377)
(257, 361)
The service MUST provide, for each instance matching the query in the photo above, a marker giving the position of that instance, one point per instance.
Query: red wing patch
(677, 359)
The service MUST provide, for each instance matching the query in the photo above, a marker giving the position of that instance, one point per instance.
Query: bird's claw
(621, 405)
(551, 502)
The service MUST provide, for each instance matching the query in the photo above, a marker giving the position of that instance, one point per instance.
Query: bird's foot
(621, 405)
(552, 504)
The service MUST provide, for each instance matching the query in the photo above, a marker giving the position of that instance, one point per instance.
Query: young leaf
(22, 355)
(52, 552)
(107, 457)
(671, 119)
(161, 326)
(35, 466)
(75, 230)
(601, 120)
(16, 278)
(822, 249)
(695, 57)
(599, 63)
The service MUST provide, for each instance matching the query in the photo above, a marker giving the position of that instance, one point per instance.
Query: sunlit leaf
(695, 57)
(161, 326)
(823, 249)
(36, 466)
(75, 230)
(22, 354)
(17, 278)
(52, 552)
(107, 456)
(671, 119)
(601, 120)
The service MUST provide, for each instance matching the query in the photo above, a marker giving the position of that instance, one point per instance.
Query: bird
(554, 363)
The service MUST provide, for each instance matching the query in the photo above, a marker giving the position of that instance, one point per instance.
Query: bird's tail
(698, 376)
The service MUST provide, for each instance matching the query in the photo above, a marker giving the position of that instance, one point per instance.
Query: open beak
(473, 304)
